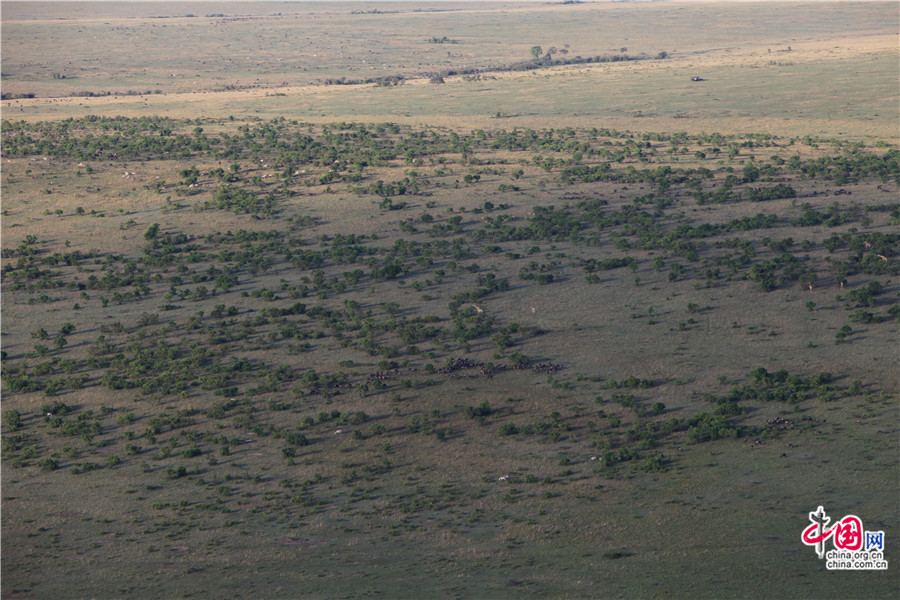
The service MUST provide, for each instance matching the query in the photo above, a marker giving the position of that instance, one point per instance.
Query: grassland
(276, 44)
(449, 340)
(803, 69)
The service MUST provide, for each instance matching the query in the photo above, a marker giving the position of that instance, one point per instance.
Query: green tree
(751, 172)
(12, 419)
(152, 232)
(537, 52)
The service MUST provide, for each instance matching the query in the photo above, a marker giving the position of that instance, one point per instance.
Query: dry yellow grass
(762, 76)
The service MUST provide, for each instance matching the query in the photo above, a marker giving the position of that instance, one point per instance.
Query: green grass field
(581, 331)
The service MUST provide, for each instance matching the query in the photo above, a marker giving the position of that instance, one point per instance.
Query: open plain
(447, 300)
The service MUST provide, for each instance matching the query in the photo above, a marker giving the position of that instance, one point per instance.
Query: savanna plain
(447, 300)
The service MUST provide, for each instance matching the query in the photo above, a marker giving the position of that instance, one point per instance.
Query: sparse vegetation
(340, 335)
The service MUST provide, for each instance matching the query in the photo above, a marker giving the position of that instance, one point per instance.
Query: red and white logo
(854, 548)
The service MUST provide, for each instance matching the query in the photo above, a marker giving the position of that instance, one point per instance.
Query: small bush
(482, 410)
(296, 439)
(508, 429)
(12, 419)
